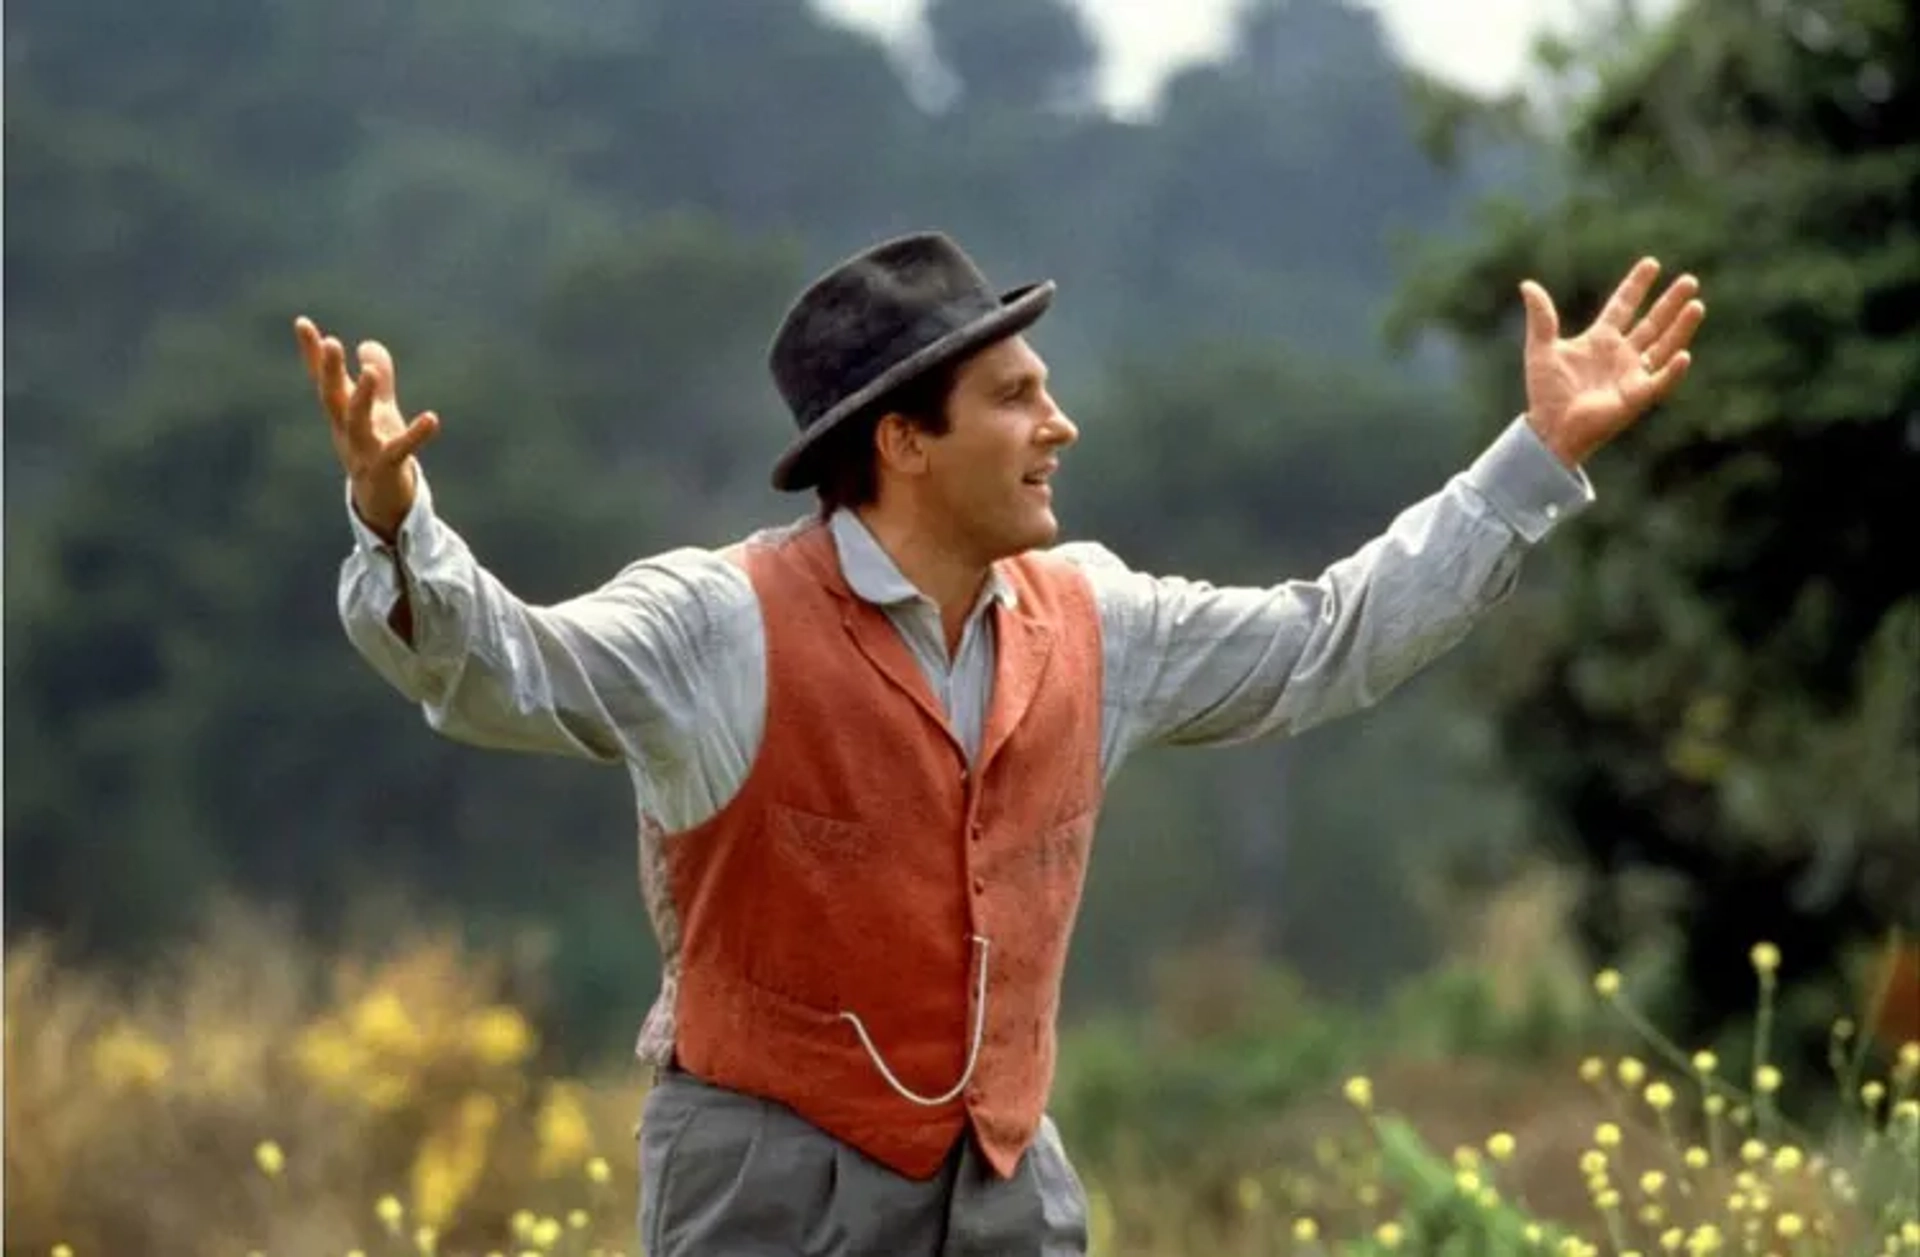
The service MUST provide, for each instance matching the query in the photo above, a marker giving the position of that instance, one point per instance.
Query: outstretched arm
(619, 673)
(1191, 664)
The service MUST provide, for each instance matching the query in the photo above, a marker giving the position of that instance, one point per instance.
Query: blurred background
(1288, 235)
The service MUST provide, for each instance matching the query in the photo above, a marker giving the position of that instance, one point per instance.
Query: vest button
(979, 885)
(978, 831)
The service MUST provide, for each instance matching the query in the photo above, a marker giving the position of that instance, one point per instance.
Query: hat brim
(1019, 309)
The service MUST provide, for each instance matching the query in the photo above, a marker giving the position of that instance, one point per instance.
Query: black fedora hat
(876, 321)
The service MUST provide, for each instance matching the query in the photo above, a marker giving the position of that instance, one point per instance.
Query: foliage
(401, 1096)
(1713, 680)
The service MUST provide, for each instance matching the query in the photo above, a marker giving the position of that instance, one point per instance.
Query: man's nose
(1060, 430)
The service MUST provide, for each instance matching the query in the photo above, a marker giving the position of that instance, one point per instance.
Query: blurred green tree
(1015, 54)
(1717, 685)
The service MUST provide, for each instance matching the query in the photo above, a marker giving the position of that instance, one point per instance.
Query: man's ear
(901, 444)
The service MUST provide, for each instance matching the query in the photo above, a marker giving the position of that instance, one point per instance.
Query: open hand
(1584, 391)
(373, 439)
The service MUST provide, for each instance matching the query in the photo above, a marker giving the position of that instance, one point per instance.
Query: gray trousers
(728, 1175)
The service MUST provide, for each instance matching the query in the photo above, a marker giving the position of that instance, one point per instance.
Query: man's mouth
(1041, 476)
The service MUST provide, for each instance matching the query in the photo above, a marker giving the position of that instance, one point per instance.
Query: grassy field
(266, 1101)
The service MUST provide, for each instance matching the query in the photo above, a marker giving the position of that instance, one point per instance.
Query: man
(868, 749)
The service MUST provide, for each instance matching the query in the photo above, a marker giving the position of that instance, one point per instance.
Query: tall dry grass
(258, 1099)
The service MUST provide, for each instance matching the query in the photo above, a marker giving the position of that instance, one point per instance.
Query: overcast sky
(1482, 45)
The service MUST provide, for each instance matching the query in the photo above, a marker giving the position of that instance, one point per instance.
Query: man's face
(986, 477)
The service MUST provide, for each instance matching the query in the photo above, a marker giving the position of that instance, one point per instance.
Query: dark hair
(849, 464)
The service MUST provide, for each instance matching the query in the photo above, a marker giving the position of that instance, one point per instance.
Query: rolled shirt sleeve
(1192, 664)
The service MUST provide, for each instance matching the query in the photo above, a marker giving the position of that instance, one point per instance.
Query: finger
(1677, 337)
(1543, 321)
(374, 354)
(1651, 389)
(1664, 312)
(307, 336)
(335, 387)
(360, 407)
(1627, 297)
(425, 426)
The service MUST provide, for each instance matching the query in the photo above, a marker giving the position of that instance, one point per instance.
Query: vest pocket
(815, 903)
(809, 835)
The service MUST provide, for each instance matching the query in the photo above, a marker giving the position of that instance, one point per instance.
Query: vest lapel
(1024, 647)
(870, 629)
(877, 640)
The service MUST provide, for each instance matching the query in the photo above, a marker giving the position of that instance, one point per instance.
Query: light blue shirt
(663, 668)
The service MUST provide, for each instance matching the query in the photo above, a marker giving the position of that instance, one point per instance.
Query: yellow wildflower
(1697, 1158)
(1659, 1096)
(566, 1135)
(1871, 1093)
(62, 1250)
(1592, 1162)
(545, 1232)
(381, 1021)
(1359, 1092)
(425, 1238)
(127, 1056)
(1500, 1146)
(1789, 1225)
(1766, 1079)
(1788, 1159)
(1306, 1230)
(1467, 1181)
(1632, 1071)
(578, 1219)
(269, 1158)
(1909, 1058)
(1607, 1135)
(1389, 1234)
(1672, 1238)
(1705, 1062)
(1593, 1069)
(598, 1170)
(1766, 959)
(1753, 1152)
(390, 1212)
(1652, 1182)
(1607, 983)
(452, 1158)
(499, 1036)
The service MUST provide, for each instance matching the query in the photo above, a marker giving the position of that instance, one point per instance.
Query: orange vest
(844, 914)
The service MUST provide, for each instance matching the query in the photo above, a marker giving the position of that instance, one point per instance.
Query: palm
(1585, 390)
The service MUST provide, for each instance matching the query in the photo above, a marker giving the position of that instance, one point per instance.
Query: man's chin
(1040, 533)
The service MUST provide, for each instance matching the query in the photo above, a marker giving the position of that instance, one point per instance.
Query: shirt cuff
(1526, 484)
(414, 531)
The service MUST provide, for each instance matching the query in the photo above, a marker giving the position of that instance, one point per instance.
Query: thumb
(1543, 322)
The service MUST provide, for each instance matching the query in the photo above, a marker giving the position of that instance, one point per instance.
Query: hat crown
(875, 309)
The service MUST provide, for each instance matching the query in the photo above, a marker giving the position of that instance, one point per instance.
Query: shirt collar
(873, 576)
